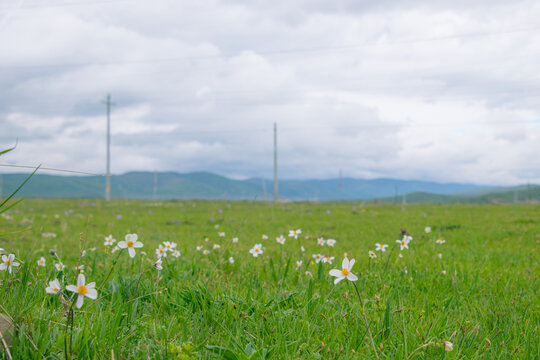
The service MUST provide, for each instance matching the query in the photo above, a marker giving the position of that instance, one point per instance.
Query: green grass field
(481, 294)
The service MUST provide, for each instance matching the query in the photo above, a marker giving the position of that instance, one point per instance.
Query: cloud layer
(441, 90)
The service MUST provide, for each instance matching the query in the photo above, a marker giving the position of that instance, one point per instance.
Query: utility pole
(340, 185)
(155, 186)
(108, 174)
(276, 195)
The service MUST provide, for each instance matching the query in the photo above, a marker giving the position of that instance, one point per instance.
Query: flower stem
(366, 320)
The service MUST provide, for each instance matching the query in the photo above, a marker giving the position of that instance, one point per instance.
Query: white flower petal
(351, 264)
(352, 277)
(80, 280)
(131, 252)
(80, 300)
(138, 245)
(91, 294)
(336, 273)
(338, 280)
(122, 244)
(71, 288)
(345, 263)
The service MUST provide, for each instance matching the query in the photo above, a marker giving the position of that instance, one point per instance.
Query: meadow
(468, 289)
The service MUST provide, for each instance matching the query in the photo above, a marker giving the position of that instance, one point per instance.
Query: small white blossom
(83, 290)
(161, 251)
(256, 250)
(206, 252)
(427, 229)
(281, 239)
(321, 241)
(170, 246)
(41, 261)
(372, 254)
(295, 233)
(331, 242)
(235, 240)
(345, 272)
(8, 262)
(131, 243)
(59, 266)
(158, 264)
(54, 287)
(109, 240)
(216, 246)
(176, 253)
(380, 247)
(231, 260)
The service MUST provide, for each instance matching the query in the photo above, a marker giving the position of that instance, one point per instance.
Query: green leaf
(223, 352)
(19, 188)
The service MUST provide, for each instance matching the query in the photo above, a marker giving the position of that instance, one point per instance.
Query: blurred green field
(481, 294)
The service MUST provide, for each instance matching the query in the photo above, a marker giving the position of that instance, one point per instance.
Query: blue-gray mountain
(204, 185)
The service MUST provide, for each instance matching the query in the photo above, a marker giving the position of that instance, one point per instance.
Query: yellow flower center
(55, 290)
(403, 243)
(82, 290)
(130, 243)
(345, 271)
(256, 250)
(8, 262)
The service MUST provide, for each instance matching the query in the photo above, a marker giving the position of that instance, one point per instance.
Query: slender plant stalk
(110, 271)
(366, 321)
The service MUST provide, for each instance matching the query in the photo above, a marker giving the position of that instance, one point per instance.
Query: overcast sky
(442, 90)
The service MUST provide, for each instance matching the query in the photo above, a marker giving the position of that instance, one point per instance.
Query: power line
(51, 169)
(56, 5)
(278, 51)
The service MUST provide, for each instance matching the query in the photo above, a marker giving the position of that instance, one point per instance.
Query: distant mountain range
(204, 185)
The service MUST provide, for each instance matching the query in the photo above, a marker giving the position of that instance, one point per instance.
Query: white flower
(440, 241)
(448, 346)
(345, 272)
(59, 266)
(199, 248)
(439, 256)
(221, 234)
(41, 261)
(403, 244)
(380, 247)
(295, 233)
(303, 249)
(54, 287)
(264, 237)
(109, 240)
(158, 264)
(131, 243)
(235, 240)
(400, 255)
(161, 251)
(231, 260)
(115, 249)
(8, 262)
(206, 252)
(298, 264)
(328, 259)
(405, 270)
(321, 241)
(2, 250)
(317, 257)
(427, 229)
(407, 238)
(372, 254)
(83, 290)
(169, 245)
(331, 242)
(281, 239)
(257, 250)
(206, 239)
(443, 272)
(176, 253)
(216, 246)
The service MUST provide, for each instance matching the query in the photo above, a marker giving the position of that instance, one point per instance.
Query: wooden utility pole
(276, 195)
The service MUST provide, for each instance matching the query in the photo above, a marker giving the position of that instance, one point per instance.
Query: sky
(439, 90)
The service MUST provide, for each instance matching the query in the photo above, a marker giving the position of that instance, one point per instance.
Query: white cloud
(436, 90)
